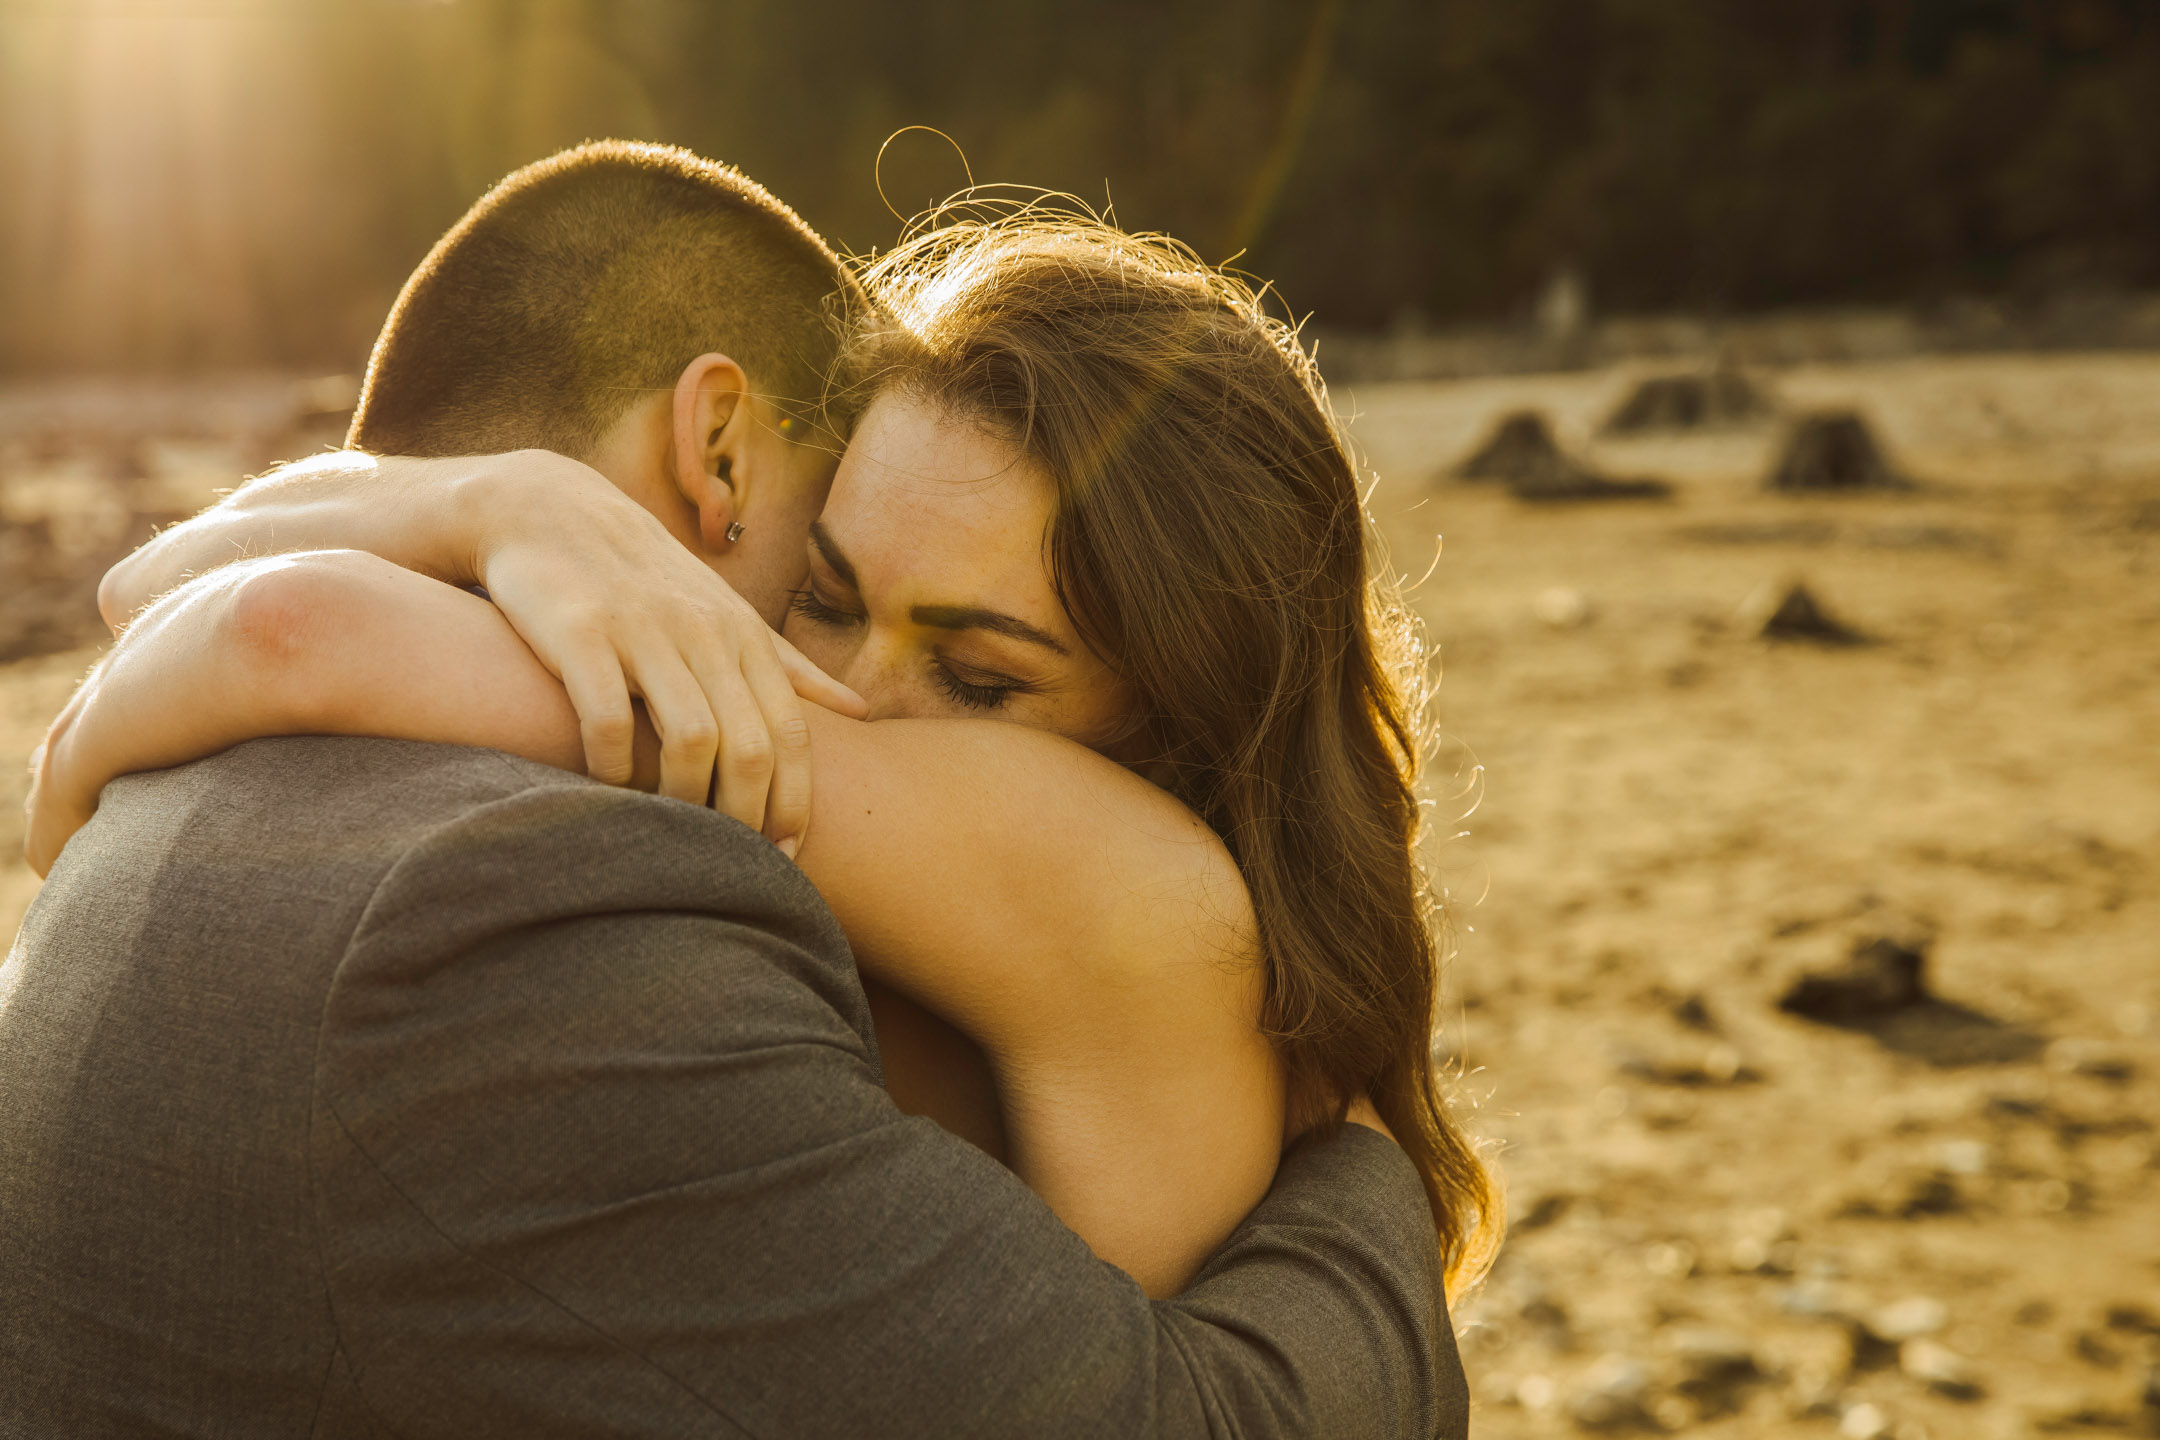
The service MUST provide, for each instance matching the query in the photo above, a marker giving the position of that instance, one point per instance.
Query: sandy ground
(1728, 1220)
(1719, 1208)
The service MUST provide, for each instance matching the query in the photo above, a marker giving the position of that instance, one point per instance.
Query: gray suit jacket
(352, 1087)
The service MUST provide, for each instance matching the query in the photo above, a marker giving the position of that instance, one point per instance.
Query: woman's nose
(876, 672)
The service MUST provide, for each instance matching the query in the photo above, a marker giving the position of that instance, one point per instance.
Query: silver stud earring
(734, 532)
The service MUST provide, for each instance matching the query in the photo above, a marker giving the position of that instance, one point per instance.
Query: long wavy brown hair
(1210, 544)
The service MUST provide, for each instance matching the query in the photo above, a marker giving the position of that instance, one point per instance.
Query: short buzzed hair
(588, 279)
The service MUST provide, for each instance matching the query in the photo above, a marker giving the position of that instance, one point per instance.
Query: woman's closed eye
(965, 685)
(985, 691)
(807, 603)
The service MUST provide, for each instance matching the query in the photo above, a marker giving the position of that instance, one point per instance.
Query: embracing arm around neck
(1088, 932)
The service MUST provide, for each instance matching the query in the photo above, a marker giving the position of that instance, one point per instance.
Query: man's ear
(711, 423)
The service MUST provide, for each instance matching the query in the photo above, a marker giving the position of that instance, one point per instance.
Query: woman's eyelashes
(805, 602)
(974, 695)
(978, 690)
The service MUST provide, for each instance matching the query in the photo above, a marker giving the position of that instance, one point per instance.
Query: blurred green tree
(191, 182)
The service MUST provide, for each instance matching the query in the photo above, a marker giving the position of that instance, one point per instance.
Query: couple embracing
(991, 993)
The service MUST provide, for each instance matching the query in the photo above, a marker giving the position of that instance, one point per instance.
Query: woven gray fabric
(353, 1087)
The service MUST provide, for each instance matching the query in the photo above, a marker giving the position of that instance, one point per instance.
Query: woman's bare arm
(342, 499)
(1085, 929)
(596, 586)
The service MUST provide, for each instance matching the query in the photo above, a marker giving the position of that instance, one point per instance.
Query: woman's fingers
(744, 775)
(787, 804)
(720, 687)
(601, 695)
(36, 848)
(683, 716)
(52, 812)
(815, 685)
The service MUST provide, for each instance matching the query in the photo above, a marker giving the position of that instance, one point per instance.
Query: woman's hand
(615, 607)
(595, 585)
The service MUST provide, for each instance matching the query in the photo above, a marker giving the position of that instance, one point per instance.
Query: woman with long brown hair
(1093, 490)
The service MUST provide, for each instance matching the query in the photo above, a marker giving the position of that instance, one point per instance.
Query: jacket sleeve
(599, 1146)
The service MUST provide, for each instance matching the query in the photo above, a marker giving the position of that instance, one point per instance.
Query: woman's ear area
(709, 422)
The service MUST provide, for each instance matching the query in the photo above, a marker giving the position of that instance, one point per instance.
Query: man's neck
(637, 456)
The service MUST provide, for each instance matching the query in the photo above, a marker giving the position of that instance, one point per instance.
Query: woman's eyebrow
(826, 547)
(964, 617)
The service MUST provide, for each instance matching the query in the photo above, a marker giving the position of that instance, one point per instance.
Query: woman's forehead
(905, 441)
(922, 494)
